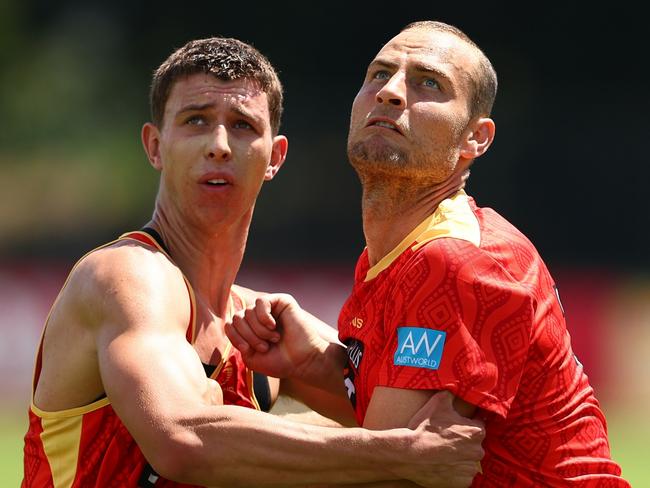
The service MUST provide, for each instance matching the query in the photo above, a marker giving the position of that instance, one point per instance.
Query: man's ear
(478, 139)
(151, 141)
(278, 155)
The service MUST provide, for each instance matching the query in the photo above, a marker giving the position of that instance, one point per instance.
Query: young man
(135, 381)
(447, 295)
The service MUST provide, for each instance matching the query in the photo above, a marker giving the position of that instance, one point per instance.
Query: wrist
(394, 446)
(324, 367)
(409, 458)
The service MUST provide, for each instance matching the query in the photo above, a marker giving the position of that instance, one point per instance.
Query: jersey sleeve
(457, 321)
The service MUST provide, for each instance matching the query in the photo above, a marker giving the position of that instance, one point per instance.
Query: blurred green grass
(628, 439)
(13, 426)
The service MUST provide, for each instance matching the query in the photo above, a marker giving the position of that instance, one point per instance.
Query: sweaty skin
(119, 325)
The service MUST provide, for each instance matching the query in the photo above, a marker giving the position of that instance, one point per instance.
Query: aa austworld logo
(418, 347)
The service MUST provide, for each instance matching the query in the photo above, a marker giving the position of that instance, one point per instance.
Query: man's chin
(365, 155)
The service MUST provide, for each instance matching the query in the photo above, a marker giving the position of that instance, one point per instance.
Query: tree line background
(568, 167)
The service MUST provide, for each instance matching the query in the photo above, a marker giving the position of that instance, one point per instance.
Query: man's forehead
(422, 44)
(204, 88)
(427, 48)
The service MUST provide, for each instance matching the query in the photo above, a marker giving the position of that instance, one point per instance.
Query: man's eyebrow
(418, 66)
(422, 67)
(244, 113)
(193, 107)
(381, 63)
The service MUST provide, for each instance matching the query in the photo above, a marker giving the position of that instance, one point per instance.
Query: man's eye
(381, 75)
(430, 83)
(242, 124)
(195, 120)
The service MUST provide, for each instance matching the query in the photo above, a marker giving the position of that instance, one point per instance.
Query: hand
(450, 443)
(275, 336)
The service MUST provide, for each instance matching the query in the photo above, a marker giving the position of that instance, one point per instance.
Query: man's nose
(218, 148)
(393, 92)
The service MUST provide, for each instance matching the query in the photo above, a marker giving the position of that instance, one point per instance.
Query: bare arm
(395, 407)
(333, 406)
(278, 337)
(299, 351)
(297, 347)
(156, 385)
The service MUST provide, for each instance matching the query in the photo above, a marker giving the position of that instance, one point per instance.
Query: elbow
(178, 458)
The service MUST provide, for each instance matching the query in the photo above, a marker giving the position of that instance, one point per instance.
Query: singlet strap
(156, 237)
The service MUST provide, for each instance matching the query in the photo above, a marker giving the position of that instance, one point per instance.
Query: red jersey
(90, 447)
(464, 303)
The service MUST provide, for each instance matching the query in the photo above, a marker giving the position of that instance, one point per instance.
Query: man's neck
(392, 209)
(209, 260)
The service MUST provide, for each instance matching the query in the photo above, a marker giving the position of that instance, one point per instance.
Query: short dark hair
(224, 58)
(484, 84)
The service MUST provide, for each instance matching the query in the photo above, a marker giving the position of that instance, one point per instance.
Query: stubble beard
(388, 164)
(367, 159)
(385, 174)
(392, 179)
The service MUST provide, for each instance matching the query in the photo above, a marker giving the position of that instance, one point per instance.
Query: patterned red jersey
(90, 447)
(464, 303)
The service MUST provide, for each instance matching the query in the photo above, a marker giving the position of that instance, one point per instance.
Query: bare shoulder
(116, 290)
(126, 282)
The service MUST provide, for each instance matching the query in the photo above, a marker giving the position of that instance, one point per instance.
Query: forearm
(335, 406)
(378, 484)
(233, 446)
(324, 369)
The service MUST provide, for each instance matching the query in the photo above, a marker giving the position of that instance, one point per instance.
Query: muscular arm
(187, 438)
(156, 385)
(395, 407)
(301, 354)
(315, 382)
(333, 406)
(306, 355)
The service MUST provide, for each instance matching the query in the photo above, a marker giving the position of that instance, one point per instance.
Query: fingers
(441, 401)
(248, 330)
(263, 313)
(236, 338)
(279, 302)
(254, 327)
(461, 475)
(260, 321)
(447, 406)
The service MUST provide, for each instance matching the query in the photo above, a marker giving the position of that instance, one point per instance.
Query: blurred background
(568, 165)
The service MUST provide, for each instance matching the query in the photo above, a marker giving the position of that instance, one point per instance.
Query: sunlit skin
(119, 326)
(412, 139)
(415, 85)
(211, 129)
(411, 136)
(214, 150)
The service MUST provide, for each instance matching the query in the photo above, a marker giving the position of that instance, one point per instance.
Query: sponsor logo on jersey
(419, 347)
(356, 322)
(355, 352)
(355, 355)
